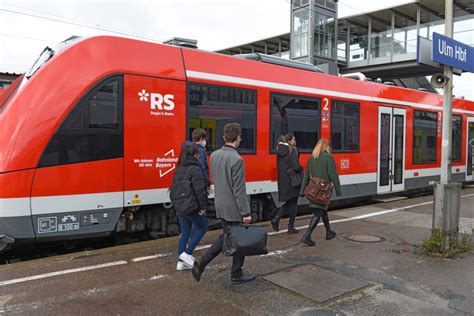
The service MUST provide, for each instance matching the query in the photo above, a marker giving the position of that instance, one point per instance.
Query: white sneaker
(188, 259)
(182, 266)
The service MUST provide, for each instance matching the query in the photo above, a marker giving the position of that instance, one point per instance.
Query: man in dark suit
(232, 206)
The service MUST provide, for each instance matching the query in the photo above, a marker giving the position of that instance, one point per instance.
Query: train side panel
(155, 124)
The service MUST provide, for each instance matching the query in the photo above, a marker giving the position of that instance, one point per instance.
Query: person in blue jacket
(199, 137)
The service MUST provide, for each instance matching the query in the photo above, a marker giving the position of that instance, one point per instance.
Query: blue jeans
(194, 223)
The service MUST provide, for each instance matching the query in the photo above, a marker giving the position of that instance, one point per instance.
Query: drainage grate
(365, 238)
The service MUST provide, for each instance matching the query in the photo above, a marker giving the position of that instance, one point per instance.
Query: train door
(155, 125)
(470, 149)
(391, 149)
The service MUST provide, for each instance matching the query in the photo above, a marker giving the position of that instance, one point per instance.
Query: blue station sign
(452, 53)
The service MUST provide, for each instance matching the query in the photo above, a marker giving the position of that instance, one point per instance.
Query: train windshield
(48, 53)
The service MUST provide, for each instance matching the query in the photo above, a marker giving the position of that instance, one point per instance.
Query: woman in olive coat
(321, 164)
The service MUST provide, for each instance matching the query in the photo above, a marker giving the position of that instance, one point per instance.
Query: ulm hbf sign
(453, 53)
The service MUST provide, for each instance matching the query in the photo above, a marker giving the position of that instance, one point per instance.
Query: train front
(23, 134)
(82, 141)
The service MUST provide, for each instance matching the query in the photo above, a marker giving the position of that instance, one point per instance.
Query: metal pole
(392, 37)
(369, 40)
(348, 44)
(336, 35)
(447, 195)
(418, 19)
(311, 31)
(446, 164)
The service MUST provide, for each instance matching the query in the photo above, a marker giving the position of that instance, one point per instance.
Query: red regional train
(89, 138)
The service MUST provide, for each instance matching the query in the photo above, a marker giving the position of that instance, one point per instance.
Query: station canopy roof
(431, 11)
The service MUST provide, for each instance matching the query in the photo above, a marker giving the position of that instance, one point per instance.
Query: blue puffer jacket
(203, 162)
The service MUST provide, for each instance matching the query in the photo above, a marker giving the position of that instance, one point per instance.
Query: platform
(343, 276)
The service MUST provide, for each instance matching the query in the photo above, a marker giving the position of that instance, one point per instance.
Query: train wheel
(70, 245)
(172, 229)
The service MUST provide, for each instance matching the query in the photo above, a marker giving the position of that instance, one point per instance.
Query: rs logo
(157, 100)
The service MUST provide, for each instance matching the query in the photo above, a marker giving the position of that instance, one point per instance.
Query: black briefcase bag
(244, 241)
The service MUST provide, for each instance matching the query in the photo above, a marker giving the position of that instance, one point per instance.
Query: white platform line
(202, 247)
(160, 255)
(51, 274)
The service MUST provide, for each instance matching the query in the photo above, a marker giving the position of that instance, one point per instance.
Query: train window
(345, 126)
(103, 107)
(425, 129)
(297, 115)
(456, 140)
(93, 130)
(211, 107)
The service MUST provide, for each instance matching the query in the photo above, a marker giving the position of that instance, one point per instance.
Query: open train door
(391, 149)
(155, 125)
(470, 149)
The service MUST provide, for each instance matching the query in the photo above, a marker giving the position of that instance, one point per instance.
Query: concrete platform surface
(336, 277)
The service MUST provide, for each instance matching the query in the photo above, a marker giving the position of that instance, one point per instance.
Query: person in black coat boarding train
(289, 181)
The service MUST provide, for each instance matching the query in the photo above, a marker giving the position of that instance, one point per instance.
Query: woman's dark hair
(281, 139)
(187, 151)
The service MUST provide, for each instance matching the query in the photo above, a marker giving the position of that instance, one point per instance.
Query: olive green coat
(324, 168)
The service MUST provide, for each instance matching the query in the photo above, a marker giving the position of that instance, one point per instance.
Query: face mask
(204, 143)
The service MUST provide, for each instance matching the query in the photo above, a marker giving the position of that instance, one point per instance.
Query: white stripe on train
(14, 207)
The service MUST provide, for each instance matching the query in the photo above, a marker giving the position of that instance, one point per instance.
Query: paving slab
(315, 283)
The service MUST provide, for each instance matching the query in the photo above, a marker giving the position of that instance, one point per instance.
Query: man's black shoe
(275, 225)
(244, 278)
(330, 234)
(197, 271)
(292, 230)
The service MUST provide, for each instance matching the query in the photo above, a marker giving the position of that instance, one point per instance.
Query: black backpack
(182, 197)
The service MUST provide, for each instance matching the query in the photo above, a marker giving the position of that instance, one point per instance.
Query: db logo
(157, 101)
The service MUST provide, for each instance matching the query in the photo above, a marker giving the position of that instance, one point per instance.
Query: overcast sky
(27, 26)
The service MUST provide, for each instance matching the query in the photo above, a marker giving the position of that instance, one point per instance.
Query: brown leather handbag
(318, 191)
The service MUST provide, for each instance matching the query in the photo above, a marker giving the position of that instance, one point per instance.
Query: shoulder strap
(310, 169)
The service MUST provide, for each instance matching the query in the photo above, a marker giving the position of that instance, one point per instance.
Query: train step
(389, 199)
